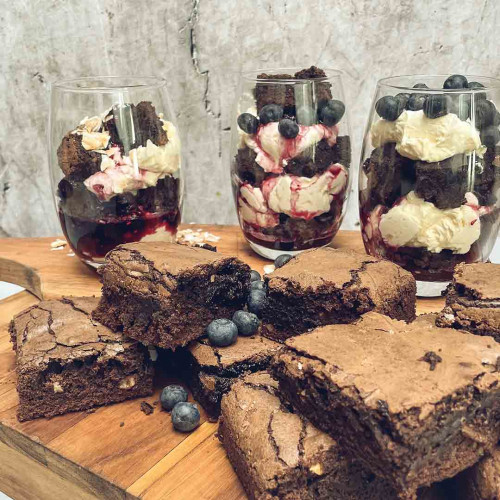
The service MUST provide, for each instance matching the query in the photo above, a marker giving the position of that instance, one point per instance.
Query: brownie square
(165, 294)
(210, 371)
(480, 482)
(415, 403)
(325, 286)
(279, 454)
(473, 300)
(66, 361)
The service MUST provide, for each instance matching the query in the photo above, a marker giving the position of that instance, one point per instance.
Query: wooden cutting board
(116, 451)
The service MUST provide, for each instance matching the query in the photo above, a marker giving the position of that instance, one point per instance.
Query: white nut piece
(127, 382)
(58, 387)
(316, 469)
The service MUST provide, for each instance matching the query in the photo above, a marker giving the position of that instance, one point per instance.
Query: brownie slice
(66, 361)
(325, 286)
(165, 294)
(473, 300)
(415, 403)
(279, 454)
(481, 482)
(210, 371)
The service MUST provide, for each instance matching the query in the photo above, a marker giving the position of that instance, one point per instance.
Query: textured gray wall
(198, 45)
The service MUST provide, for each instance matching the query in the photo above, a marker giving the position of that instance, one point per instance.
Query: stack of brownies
(342, 393)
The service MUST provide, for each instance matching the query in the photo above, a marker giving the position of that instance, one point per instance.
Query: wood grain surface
(116, 451)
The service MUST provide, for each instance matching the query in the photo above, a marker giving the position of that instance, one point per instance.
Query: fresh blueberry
(281, 260)
(247, 323)
(257, 285)
(331, 112)
(415, 102)
(436, 105)
(171, 395)
(222, 332)
(248, 123)
(490, 136)
(270, 113)
(288, 128)
(496, 119)
(256, 302)
(403, 98)
(254, 275)
(420, 86)
(475, 85)
(389, 108)
(185, 417)
(485, 113)
(455, 82)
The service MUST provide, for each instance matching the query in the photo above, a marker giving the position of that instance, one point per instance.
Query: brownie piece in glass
(165, 294)
(415, 403)
(67, 361)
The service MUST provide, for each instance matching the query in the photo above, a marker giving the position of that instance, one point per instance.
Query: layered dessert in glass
(121, 179)
(290, 159)
(430, 173)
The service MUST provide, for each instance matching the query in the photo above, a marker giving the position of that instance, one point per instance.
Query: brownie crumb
(122, 424)
(146, 408)
(432, 358)
(156, 403)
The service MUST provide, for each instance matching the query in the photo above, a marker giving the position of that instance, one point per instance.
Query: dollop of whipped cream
(273, 150)
(253, 208)
(415, 222)
(427, 139)
(304, 197)
(142, 168)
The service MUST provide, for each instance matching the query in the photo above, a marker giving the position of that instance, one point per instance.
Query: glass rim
(135, 82)
(249, 75)
(389, 82)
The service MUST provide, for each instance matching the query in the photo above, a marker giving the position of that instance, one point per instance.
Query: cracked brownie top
(62, 331)
(403, 366)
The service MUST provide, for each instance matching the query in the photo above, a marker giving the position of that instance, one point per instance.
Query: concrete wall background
(199, 45)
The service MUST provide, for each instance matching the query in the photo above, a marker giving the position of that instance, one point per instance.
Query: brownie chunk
(142, 119)
(389, 176)
(443, 183)
(279, 454)
(165, 294)
(322, 156)
(247, 168)
(210, 371)
(325, 286)
(74, 160)
(66, 361)
(372, 386)
(284, 95)
(473, 300)
(482, 481)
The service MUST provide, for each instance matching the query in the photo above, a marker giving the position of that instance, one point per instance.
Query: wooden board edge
(22, 275)
(54, 463)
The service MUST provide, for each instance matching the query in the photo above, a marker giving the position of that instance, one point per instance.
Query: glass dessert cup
(290, 158)
(430, 174)
(115, 163)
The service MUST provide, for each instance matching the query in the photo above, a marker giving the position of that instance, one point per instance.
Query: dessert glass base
(428, 289)
(270, 253)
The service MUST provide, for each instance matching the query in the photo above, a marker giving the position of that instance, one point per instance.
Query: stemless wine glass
(430, 174)
(115, 163)
(290, 158)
